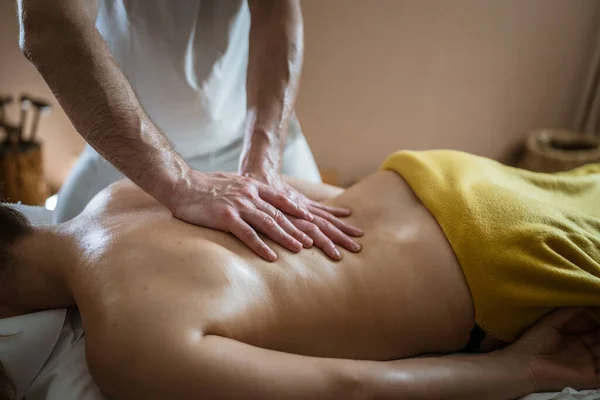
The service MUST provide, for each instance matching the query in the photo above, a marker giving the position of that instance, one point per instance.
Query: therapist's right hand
(236, 204)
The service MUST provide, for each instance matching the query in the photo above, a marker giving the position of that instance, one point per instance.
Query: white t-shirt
(187, 62)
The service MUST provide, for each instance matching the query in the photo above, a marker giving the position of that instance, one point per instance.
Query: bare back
(158, 279)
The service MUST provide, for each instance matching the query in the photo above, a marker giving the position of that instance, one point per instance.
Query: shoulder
(120, 197)
(124, 188)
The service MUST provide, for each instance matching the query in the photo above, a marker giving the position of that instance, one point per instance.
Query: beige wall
(474, 75)
(386, 74)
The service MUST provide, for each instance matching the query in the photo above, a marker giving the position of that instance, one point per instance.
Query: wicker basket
(559, 150)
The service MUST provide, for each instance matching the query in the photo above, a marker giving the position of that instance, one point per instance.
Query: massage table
(42, 216)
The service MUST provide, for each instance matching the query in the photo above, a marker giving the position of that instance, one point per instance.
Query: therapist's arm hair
(274, 66)
(60, 39)
(312, 190)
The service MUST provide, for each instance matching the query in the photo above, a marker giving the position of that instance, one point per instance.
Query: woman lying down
(459, 252)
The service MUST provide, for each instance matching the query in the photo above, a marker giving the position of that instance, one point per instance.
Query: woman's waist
(383, 204)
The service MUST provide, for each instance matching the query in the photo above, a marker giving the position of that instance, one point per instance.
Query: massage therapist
(168, 92)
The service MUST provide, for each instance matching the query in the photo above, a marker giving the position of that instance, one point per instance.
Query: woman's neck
(38, 279)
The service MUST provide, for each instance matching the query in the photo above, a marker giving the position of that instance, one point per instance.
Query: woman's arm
(221, 368)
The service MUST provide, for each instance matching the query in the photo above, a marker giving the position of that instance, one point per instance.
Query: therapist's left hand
(325, 228)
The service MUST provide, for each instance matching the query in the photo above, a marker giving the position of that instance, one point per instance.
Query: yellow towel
(527, 242)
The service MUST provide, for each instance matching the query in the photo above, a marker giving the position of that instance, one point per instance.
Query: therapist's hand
(324, 225)
(243, 205)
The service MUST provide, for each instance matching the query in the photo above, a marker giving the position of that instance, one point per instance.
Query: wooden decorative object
(21, 173)
(559, 150)
(21, 169)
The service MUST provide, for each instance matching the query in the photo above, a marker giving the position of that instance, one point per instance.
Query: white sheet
(65, 376)
(567, 394)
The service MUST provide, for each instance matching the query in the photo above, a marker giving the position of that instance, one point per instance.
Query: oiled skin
(154, 281)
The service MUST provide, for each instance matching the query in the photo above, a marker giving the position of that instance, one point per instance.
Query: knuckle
(269, 222)
(227, 213)
(328, 226)
(248, 234)
(279, 217)
(245, 194)
(242, 203)
(283, 197)
(312, 229)
(319, 223)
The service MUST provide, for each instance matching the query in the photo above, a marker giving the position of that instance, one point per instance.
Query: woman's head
(13, 226)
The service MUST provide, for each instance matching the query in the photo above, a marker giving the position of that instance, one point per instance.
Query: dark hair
(13, 226)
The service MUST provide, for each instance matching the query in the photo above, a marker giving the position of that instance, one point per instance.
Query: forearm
(63, 44)
(227, 369)
(274, 66)
(492, 376)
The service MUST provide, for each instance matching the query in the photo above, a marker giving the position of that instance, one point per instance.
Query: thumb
(559, 318)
